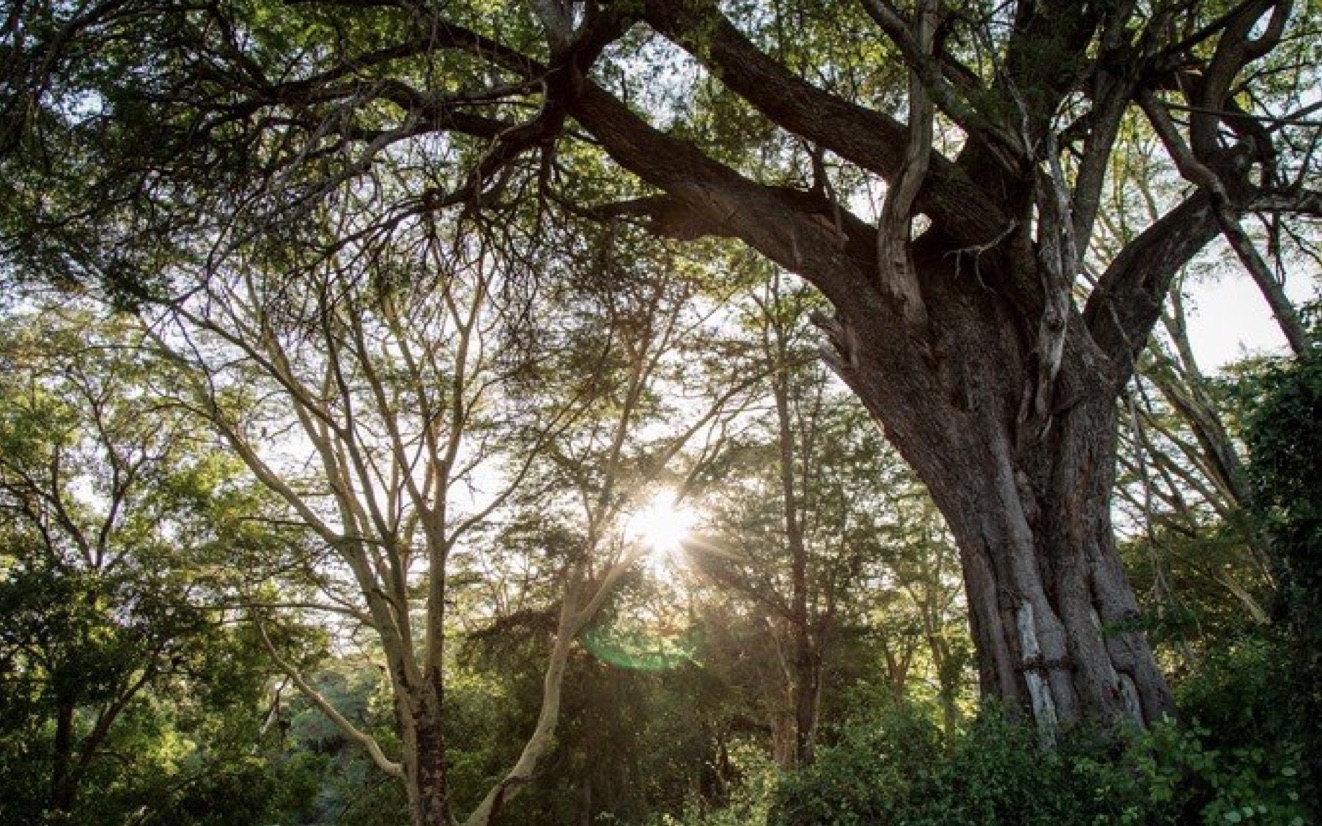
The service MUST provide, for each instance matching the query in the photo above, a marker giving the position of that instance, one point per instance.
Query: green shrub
(882, 772)
(750, 796)
(897, 771)
(1283, 406)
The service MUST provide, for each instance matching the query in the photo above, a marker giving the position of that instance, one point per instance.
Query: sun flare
(661, 525)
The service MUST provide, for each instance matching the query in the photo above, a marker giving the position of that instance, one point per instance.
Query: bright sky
(1228, 318)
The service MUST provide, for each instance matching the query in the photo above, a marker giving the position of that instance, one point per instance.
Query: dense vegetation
(468, 412)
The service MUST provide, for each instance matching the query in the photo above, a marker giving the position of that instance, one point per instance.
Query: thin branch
(319, 700)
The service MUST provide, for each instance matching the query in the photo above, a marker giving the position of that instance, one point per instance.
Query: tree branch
(1197, 172)
(894, 250)
(1005, 145)
(1126, 303)
(319, 700)
(727, 203)
(860, 135)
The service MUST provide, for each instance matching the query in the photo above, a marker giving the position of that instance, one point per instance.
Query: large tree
(124, 537)
(961, 318)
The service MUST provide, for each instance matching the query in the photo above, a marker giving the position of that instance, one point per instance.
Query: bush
(897, 772)
(750, 795)
(1284, 403)
(882, 772)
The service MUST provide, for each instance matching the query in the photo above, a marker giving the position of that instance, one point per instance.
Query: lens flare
(661, 525)
(648, 628)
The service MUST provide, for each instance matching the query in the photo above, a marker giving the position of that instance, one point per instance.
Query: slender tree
(810, 529)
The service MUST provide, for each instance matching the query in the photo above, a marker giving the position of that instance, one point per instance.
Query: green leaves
(1284, 404)
(122, 676)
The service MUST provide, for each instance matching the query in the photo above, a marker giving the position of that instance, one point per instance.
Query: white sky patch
(1228, 319)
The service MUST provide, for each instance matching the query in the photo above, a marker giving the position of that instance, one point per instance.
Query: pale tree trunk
(782, 738)
(803, 619)
(898, 661)
(795, 712)
(804, 658)
(583, 599)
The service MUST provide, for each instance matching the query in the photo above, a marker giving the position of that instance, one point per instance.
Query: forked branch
(362, 738)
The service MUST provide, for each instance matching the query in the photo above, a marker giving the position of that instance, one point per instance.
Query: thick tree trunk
(1051, 612)
(1027, 499)
(1001, 395)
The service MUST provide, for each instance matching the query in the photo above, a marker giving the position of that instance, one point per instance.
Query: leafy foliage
(1285, 445)
(228, 149)
(125, 684)
(898, 770)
